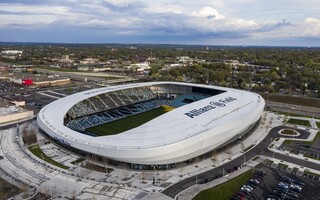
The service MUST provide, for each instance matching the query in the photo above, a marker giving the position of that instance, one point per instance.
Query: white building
(184, 133)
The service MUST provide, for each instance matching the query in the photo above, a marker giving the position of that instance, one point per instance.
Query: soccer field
(127, 123)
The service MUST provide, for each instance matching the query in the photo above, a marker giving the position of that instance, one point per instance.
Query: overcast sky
(207, 22)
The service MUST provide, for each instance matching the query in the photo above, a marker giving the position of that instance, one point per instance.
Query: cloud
(311, 27)
(208, 12)
(122, 5)
(162, 21)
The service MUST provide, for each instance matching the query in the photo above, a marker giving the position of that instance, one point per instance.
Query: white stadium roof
(175, 136)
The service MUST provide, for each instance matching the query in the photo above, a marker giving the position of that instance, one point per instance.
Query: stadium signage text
(212, 105)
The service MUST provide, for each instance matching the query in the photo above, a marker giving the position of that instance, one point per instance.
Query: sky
(205, 22)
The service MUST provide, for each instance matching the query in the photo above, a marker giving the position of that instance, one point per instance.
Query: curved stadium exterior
(205, 118)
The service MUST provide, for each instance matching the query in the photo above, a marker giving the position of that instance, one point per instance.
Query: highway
(295, 109)
(260, 149)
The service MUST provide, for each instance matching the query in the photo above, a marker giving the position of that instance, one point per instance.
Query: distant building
(89, 61)
(83, 68)
(27, 82)
(65, 59)
(11, 52)
(36, 80)
(140, 66)
(11, 113)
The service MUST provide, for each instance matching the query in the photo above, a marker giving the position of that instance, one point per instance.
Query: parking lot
(37, 98)
(304, 148)
(279, 182)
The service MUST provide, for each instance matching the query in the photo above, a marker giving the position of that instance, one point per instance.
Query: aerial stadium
(151, 124)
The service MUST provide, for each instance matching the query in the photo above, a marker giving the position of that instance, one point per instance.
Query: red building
(27, 82)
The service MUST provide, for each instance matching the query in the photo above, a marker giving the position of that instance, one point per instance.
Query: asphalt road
(260, 149)
(295, 109)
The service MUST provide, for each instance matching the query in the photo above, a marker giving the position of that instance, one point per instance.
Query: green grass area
(35, 149)
(318, 124)
(314, 158)
(310, 143)
(282, 166)
(310, 173)
(55, 68)
(79, 160)
(225, 190)
(126, 123)
(288, 142)
(304, 101)
(288, 132)
(294, 170)
(97, 168)
(299, 122)
(294, 115)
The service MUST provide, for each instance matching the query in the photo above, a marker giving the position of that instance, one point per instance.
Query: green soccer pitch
(127, 123)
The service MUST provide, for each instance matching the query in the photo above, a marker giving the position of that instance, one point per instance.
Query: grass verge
(35, 149)
(225, 190)
(79, 160)
(304, 101)
(299, 122)
(97, 168)
(310, 143)
(126, 123)
(288, 142)
(294, 115)
(314, 158)
(288, 132)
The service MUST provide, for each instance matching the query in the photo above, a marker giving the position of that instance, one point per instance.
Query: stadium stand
(116, 105)
(85, 122)
(111, 100)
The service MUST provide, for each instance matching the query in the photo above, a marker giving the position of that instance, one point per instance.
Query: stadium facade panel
(195, 128)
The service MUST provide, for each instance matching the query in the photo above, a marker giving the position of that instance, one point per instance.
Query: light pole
(196, 180)
(244, 159)
(79, 170)
(51, 192)
(273, 154)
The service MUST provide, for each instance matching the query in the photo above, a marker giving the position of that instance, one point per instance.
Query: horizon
(160, 44)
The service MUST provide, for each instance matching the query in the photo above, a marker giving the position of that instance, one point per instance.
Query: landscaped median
(225, 190)
(310, 143)
(300, 122)
(35, 149)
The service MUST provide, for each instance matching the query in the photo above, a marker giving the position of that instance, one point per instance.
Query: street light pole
(244, 159)
(196, 179)
(273, 154)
